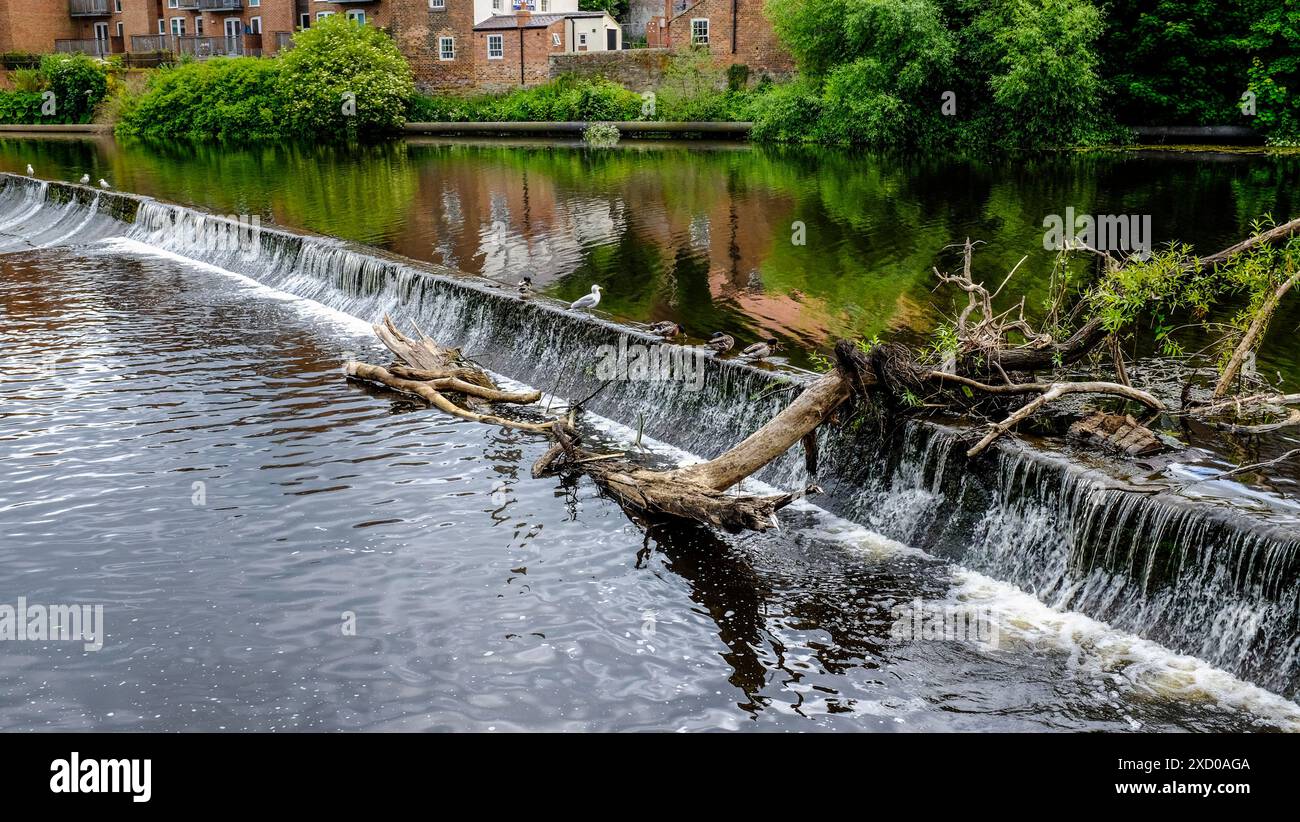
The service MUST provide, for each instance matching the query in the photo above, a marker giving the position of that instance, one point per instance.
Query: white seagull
(85, 178)
(104, 183)
(30, 170)
(590, 301)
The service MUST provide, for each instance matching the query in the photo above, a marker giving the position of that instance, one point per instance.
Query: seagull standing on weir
(30, 171)
(590, 301)
(85, 178)
(104, 183)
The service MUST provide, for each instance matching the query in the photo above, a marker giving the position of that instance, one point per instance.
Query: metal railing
(93, 47)
(200, 47)
(221, 5)
(88, 8)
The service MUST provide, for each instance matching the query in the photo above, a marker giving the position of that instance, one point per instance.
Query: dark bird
(666, 329)
(719, 342)
(759, 350)
(525, 288)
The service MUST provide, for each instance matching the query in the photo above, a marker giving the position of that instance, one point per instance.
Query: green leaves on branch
(340, 81)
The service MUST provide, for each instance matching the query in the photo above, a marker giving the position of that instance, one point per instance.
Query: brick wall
(751, 41)
(503, 74)
(416, 28)
(638, 69)
(33, 25)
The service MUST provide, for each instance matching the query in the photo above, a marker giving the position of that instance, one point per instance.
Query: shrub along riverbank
(57, 88)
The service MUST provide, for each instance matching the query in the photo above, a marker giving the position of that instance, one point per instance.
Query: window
(496, 47)
(178, 26)
(304, 21)
(555, 39)
(173, 4)
(582, 41)
(117, 6)
(252, 4)
(546, 5)
(255, 23)
(446, 48)
(496, 5)
(119, 28)
(162, 26)
(357, 15)
(700, 31)
(198, 25)
(437, 5)
(321, 15)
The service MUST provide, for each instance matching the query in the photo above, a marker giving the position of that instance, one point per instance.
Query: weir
(1198, 576)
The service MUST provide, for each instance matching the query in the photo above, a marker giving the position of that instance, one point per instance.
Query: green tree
(342, 78)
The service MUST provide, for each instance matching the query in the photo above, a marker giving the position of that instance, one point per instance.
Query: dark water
(482, 599)
(706, 235)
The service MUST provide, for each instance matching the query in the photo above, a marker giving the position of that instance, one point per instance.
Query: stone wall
(637, 69)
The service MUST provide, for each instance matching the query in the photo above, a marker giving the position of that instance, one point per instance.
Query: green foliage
(301, 94)
(220, 99)
(1177, 62)
(20, 107)
(337, 60)
(565, 99)
(78, 83)
(1020, 72)
(601, 135)
(1274, 72)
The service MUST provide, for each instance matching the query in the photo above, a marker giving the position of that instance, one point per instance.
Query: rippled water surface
(177, 444)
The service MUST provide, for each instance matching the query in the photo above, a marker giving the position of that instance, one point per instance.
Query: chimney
(522, 17)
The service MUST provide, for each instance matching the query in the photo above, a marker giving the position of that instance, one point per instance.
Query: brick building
(451, 44)
(735, 32)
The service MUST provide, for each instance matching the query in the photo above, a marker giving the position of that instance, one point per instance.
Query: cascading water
(1199, 578)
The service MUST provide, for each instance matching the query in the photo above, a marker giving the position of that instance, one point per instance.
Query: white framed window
(582, 40)
(496, 46)
(358, 15)
(173, 4)
(555, 39)
(496, 5)
(252, 4)
(117, 6)
(546, 5)
(119, 28)
(321, 15)
(437, 5)
(700, 31)
(304, 21)
(446, 48)
(178, 26)
(255, 23)
(162, 26)
(198, 25)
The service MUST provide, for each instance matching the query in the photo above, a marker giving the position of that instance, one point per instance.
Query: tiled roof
(536, 21)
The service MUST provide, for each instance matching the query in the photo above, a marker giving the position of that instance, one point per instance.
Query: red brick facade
(738, 32)
(525, 55)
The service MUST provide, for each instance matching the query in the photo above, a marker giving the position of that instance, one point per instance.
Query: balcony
(92, 47)
(151, 43)
(186, 5)
(283, 40)
(220, 5)
(89, 8)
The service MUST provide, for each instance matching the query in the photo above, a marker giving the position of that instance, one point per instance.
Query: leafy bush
(565, 99)
(79, 84)
(22, 107)
(1274, 73)
(342, 77)
(233, 98)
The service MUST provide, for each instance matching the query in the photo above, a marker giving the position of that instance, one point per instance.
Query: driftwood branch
(1055, 391)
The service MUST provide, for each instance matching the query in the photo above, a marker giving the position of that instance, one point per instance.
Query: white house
(483, 9)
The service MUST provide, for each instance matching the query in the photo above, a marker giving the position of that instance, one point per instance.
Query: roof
(536, 21)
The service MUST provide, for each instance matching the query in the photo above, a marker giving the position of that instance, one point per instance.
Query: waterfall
(1199, 577)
